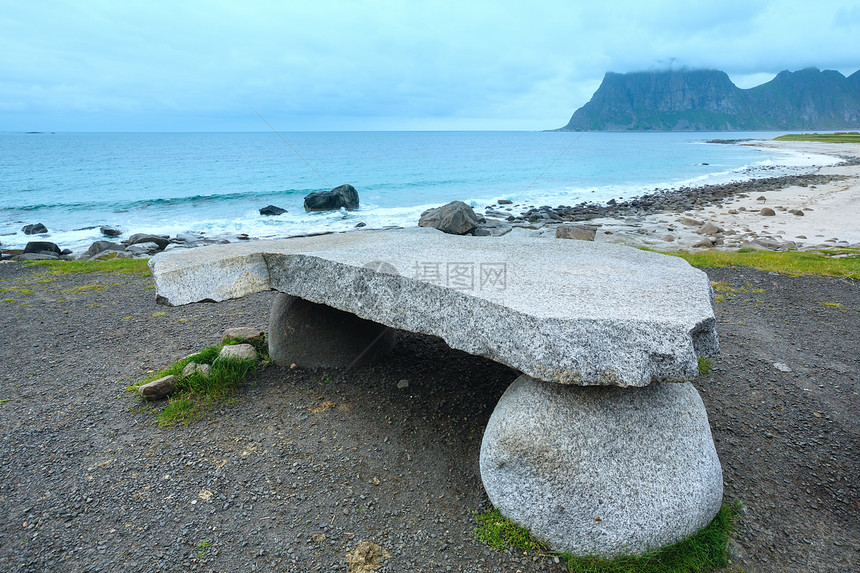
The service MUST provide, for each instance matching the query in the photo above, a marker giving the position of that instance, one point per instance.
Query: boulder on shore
(343, 196)
(272, 210)
(43, 247)
(455, 218)
(102, 246)
(161, 240)
(109, 231)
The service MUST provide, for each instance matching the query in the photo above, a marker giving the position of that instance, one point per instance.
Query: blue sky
(109, 65)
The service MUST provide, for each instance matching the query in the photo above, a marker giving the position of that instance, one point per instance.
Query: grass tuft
(195, 395)
(704, 552)
(704, 366)
(499, 532)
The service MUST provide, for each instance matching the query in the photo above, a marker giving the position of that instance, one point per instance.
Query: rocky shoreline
(628, 221)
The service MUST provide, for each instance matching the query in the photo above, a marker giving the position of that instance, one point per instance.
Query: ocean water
(215, 183)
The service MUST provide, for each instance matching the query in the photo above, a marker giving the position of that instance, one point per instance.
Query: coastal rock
(767, 212)
(505, 202)
(314, 335)
(161, 240)
(36, 257)
(454, 218)
(42, 248)
(245, 333)
(603, 471)
(492, 229)
(238, 352)
(36, 229)
(144, 249)
(272, 210)
(574, 312)
(343, 196)
(110, 231)
(709, 229)
(101, 246)
(158, 389)
(578, 232)
(110, 255)
(689, 222)
(796, 212)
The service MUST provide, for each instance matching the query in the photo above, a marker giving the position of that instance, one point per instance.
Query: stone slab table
(620, 468)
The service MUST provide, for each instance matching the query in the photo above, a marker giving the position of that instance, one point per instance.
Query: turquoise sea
(215, 183)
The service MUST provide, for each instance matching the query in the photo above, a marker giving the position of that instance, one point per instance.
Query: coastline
(829, 212)
(811, 211)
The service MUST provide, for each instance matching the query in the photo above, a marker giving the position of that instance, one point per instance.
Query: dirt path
(305, 465)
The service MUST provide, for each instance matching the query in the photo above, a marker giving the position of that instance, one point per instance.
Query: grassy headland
(839, 137)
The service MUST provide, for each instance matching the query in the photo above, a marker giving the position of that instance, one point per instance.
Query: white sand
(831, 213)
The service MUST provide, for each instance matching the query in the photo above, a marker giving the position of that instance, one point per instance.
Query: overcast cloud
(95, 65)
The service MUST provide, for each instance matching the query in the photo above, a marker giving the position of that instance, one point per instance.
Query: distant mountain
(707, 100)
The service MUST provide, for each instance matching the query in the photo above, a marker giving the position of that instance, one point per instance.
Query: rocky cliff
(707, 100)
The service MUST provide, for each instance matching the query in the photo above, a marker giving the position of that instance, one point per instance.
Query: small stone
(505, 202)
(158, 389)
(781, 366)
(238, 352)
(797, 212)
(403, 384)
(244, 333)
(767, 212)
(110, 231)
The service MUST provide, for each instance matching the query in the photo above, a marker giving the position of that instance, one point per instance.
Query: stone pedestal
(314, 335)
(602, 470)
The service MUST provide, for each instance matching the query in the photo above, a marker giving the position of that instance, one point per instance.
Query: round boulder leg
(596, 470)
(314, 335)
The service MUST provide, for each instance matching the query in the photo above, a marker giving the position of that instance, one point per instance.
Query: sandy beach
(829, 218)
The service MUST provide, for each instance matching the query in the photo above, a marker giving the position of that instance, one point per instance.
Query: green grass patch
(499, 532)
(831, 305)
(19, 290)
(94, 287)
(128, 266)
(196, 395)
(839, 137)
(794, 263)
(4, 400)
(704, 365)
(704, 552)
(8, 300)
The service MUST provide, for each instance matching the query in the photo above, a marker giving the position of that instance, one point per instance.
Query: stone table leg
(314, 335)
(602, 470)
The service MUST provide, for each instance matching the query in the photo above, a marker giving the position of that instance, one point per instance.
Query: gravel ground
(304, 465)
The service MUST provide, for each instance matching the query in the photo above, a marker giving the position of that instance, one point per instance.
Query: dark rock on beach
(343, 196)
(101, 246)
(108, 231)
(36, 229)
(42, 247)
(455, 218)
(160, 240)
(272, 210)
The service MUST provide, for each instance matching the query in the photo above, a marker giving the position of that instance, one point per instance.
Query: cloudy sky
(187, 65)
